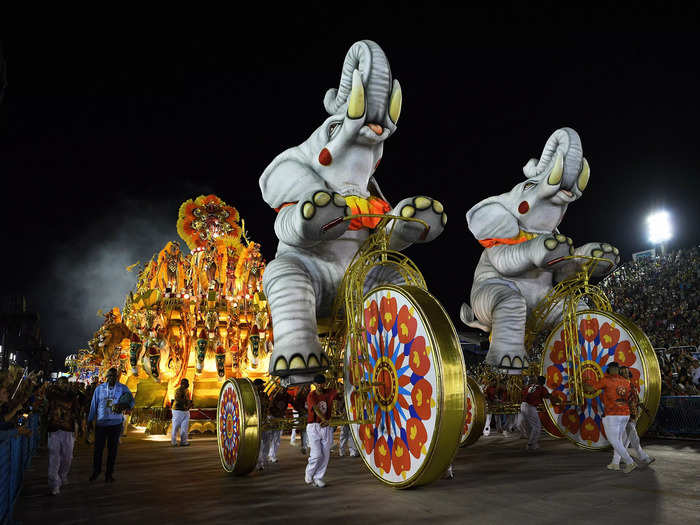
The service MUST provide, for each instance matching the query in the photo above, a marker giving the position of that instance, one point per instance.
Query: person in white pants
(631, 437)
(346, 439)
(63, 416)
(320, 403)
(181, 414)
(532, 397)
(615, 393)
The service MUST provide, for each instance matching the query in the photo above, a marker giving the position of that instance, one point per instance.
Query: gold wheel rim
(478, 413)
(249, 426)
(449, 388)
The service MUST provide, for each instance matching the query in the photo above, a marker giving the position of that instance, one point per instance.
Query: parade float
(345, 301)
(200, 315)
(535, 292)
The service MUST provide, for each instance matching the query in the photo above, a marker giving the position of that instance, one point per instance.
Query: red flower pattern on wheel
(398, 365)
(600, 342)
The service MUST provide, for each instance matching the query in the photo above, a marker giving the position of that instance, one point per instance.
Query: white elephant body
(330, 176)
(518, 230)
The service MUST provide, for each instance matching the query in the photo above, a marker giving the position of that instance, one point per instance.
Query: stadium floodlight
(659, 224)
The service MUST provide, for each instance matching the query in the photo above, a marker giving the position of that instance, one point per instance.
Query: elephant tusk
(356, 106)
(557, 171)
(584, 175)
(395, 102)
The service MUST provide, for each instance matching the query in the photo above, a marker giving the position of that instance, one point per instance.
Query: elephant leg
(297, 354)
(506, 309)
(382, 274)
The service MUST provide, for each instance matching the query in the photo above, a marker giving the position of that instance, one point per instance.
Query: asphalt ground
(496, 481)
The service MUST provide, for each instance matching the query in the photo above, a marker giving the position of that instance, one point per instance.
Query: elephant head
(539, 203)
(363, 111)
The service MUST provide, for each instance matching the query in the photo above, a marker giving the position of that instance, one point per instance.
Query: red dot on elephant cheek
(524, 207)
(325, 157)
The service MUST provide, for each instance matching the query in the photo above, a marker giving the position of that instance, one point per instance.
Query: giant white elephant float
(328, 176)
(520, 236)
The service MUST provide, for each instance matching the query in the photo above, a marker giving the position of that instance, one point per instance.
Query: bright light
(659, 225)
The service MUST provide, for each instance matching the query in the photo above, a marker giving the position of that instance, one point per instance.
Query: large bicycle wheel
(475, 419)
(238, 426)
(415, 404)
(603, 337)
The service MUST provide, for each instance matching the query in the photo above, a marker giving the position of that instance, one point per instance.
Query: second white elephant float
(520, 236)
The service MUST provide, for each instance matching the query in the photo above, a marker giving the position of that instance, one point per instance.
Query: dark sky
(104, 132)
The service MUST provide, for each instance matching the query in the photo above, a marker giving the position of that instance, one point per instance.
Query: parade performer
(532, 397)
(278, 409)
(632, 438)
(615, 396)
(108, 402)
(266, 435)
(63, 419)
(320, 402)
(518, 231)
(181, 414)
(331, 176)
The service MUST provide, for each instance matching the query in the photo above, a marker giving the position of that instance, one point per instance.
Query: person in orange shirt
(632, 438)
(615, 395)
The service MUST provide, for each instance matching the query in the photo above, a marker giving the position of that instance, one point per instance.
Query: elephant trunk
(369, 59)
(564, 141)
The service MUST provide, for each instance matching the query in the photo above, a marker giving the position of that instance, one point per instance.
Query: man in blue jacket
(108, 402)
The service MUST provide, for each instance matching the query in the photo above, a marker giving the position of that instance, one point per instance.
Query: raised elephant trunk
(567, 143)
(369, 59)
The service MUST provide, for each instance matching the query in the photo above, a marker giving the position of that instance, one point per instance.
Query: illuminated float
(200, 316)
(532, 290)
(345, 301)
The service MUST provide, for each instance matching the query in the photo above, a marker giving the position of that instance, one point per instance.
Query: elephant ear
(286, 179)
(489, 219)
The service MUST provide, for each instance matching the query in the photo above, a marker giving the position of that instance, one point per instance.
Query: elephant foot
(298, 360)
(512, 364)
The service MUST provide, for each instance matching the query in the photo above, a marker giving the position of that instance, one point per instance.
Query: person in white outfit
(266, 436)
(347, 439)
(320, 403)
(532, 397)
(63, 416)
(632, 438)
(615, 394)
(278, 410)
(181, 414)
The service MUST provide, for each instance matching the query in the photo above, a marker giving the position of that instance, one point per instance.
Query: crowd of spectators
(22, 394)
(662, 296)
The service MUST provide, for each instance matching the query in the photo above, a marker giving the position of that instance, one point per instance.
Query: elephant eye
(333, 128)
(529, 185)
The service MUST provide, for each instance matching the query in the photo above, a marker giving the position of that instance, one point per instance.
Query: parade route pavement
(496, 481)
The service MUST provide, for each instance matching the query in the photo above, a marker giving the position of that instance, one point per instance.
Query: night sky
(104, 132)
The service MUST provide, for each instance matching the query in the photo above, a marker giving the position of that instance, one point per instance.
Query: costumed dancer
(181, 414)
(615, 395)
(532, 398)
(320, 402)
(631, 427)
